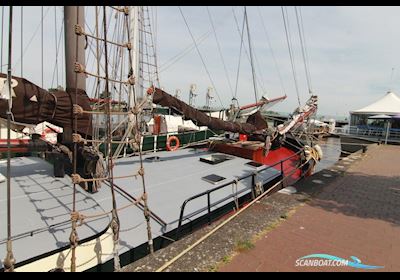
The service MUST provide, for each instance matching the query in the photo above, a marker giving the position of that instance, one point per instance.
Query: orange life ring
(177, 143)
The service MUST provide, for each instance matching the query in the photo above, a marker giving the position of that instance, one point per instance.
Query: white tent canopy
(388, 105)
(380, 117)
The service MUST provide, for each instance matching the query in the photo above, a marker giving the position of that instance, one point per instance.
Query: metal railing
(370, 132)
(234, 181)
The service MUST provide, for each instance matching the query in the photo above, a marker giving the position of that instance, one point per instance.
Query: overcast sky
(351, 52)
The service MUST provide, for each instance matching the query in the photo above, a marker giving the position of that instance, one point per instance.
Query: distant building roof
(388, 104)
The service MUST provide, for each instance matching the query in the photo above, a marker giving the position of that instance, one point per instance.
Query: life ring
(171, 139)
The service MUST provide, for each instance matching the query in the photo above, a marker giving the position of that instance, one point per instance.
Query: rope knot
(9, 260)
(76, 178)
(115, 225)
(126, 10)
(135, 110)
(131, 80)
(128, 46)
(79, 30)
(77, 217)
(73, 238)
(141, 171)
(79, 68)
(77, 138)
(77, 110)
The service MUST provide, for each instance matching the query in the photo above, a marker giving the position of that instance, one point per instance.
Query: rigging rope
(2, 41)
(41, 49)
(301, 35)
(220, 51)
(251, 56)
(170, 62)
(115, 225)
(240, 52)
(289, 43)
(271, 50)
(22, 40)
(57, 46)
(9, 260)
(305, 47)
(73, 239)
(33, 36)
(146, 210)
(55, 71)
(241, 34)
(152, 46)
(201, 57)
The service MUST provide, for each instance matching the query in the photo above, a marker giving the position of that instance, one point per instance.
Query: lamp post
(387, 131)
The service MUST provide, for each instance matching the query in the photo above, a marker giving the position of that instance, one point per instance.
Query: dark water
(331, 149)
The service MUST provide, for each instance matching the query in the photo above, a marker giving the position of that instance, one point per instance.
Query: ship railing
(368, 131)
(208, 193)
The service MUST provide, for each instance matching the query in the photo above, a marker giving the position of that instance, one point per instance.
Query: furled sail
(255, 125)
(33, 105)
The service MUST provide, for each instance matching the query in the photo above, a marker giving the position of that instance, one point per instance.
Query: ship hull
(95, 251)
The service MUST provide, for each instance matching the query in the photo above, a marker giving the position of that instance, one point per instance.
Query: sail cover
(33, 105)
(255, 124)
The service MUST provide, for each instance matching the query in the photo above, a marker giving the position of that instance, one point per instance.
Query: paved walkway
(357, 214)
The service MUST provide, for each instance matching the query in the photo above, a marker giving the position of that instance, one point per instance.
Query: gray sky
(351, 51)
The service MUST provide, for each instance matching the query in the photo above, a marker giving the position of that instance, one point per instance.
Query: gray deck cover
(41, 203)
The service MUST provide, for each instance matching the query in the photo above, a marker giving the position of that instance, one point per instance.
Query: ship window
(215, 159)
(213, 178)
(254, 164)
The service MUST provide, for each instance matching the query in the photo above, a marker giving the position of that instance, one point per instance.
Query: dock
(356, 214)
(351, 208)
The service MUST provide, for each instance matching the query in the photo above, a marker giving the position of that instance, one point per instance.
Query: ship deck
(41, 203)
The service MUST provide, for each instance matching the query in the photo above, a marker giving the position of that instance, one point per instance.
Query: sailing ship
(80, 207)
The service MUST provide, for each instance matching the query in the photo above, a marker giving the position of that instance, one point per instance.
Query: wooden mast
(74, 15)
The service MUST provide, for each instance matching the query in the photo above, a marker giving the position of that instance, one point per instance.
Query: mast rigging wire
(146, 210)
(201, 57)
(22, 40)
(9, 261)
(41, 41)
(245, 50)
(299, 26)
(115, 225)
(271, 50)
(55, 31)
(289, 44)
(251, 55)
(305, 46)
(170, 62)
(2, 41)
(55, 71)
(220, 51)
(240, 53)
(33, 36)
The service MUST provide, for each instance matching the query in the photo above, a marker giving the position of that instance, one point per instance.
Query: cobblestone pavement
(356, 214)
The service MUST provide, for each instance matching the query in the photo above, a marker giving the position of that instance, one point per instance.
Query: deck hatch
(153, 159)
(215, 159)
(213, 178)
(254, 164)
